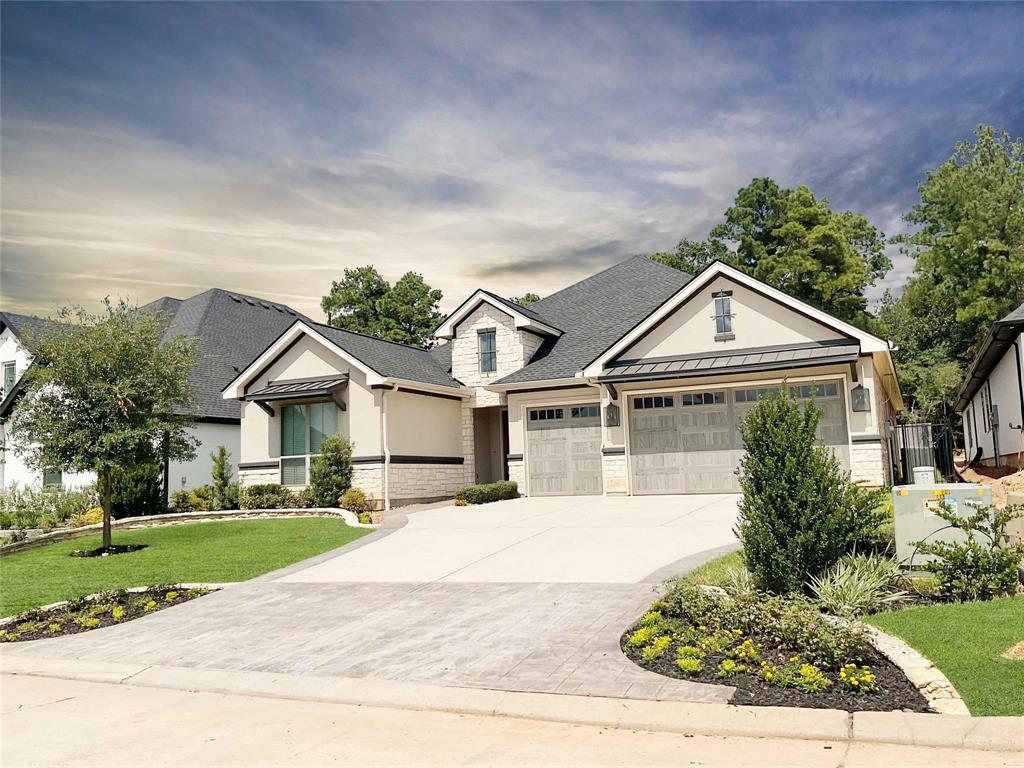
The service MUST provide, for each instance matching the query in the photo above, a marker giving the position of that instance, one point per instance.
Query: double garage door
(689, 442)
(563, 450)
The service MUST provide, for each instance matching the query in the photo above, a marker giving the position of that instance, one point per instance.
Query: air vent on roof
(235, 298)
(250, 302)
(264, 305)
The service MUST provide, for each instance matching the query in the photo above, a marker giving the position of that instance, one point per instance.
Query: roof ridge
(597, 274)
(368, 336)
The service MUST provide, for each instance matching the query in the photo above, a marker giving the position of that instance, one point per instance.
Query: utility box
(914, 509)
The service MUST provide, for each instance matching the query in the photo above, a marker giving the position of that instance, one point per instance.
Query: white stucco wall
(757, 322)
(422, 425)
(198, 471)
(1003, 388)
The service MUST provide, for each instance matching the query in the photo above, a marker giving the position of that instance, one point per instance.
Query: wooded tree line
(966, 239)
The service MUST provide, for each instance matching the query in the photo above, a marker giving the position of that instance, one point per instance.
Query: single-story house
(632, 381)
(991, 402)
(230, 329)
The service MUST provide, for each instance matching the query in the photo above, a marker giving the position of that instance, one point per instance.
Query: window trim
(306, 456)
(12, 364)
(60, 478)
(723, 315)
(489, 354)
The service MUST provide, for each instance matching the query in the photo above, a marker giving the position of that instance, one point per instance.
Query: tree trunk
(106, 494)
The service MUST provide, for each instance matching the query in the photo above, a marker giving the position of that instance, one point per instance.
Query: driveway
(531, 594)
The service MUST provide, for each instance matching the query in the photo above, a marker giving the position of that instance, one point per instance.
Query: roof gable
(524, 318)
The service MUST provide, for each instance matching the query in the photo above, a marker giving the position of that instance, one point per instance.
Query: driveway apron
(528, 595)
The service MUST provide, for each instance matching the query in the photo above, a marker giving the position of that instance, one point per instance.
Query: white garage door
(563, 447)
(689, 442)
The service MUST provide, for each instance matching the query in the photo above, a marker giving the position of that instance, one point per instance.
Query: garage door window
(585, 412)
(703, 398)
(547, 414)
(658, 401)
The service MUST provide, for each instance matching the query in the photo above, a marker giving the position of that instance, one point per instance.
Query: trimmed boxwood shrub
(330, 473)
(488, 492)
(268, 496)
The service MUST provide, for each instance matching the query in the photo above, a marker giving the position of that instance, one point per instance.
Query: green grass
(713, 571)
(965, 641)
(233, 550)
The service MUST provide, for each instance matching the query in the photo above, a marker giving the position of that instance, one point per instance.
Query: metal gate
(920, 445)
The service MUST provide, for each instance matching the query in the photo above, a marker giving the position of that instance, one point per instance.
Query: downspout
(995, 426)
(384, 445)
(1020, 395)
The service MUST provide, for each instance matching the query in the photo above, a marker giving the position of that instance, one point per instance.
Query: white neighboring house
(991, 403)
(230, 330)
(632, 381)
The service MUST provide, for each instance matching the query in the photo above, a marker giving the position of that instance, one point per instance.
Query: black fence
(920, 445)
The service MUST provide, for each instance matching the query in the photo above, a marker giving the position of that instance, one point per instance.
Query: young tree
(526, 299)
(792, 240)
(330, 473)
(364, 302)
(104, 395)
(225, 494)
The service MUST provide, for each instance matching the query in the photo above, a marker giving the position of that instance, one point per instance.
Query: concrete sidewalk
(993, 734)
(113, 725)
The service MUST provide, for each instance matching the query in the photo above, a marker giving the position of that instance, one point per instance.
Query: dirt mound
(1002, 480)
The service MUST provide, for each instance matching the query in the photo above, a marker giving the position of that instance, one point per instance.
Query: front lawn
(966, 641)
(233, 550)
(713, 572)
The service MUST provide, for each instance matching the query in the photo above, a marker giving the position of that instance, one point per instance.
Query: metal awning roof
(297, 389)
(735, 361)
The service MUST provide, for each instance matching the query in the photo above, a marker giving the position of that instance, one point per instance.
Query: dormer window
(487, 344)
(723, 316)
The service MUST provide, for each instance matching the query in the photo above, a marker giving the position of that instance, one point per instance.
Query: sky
(160, 149)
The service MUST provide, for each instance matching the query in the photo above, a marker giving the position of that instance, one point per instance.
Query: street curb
(997, 734)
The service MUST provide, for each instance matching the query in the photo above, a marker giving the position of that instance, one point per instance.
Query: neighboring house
(632, 381)
(230, 329)
(992, 400)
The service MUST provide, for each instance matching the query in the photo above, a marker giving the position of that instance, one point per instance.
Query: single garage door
(563, 449)
(689, 442)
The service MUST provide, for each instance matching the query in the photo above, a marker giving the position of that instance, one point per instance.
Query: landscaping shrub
(799, 512)
(859, 584)
(488, 492)
(305, 498)
(199, 499)
(330, 473)
(979, 568)
(225, 493)
(267, 496)
(89, 517)
(138, 491)
(25, 507)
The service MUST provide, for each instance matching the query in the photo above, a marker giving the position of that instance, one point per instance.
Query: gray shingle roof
(389, 358)
(231, 330)
(18, 323)
(595, 313)
(735, 361)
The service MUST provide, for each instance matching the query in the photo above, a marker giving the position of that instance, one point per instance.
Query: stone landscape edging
(929, 680)
(997, 734)
(171, 518)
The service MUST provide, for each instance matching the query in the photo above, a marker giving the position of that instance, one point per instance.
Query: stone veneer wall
(613, 470)
(247, 477)
(514, 349)
(867, 463)
(517, 474)
(468, 444)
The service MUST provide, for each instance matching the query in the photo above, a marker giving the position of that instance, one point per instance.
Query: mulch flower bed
(114, 549)
(894, 690)
(774, 650)
(87, 613)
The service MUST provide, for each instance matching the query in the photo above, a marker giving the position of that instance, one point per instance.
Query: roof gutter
(1000, 339)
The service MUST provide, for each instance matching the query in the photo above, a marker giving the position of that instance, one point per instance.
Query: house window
(585, 412)
(52, 478)
(488, 350)
(723, 316)
(657, 401)
(10, 374)
(303, 430)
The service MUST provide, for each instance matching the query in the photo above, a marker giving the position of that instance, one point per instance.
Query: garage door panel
(689, 442)
(564, 450)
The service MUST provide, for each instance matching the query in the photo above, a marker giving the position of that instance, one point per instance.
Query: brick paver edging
(172, 518)
(997, 734)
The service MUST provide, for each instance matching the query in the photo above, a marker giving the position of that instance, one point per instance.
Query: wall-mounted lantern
(860, 399)
(611, 415)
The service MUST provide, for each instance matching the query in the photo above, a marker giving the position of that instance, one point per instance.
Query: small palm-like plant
(858, 584)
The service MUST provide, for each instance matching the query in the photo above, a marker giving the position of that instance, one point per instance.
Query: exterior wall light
(860, 399)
